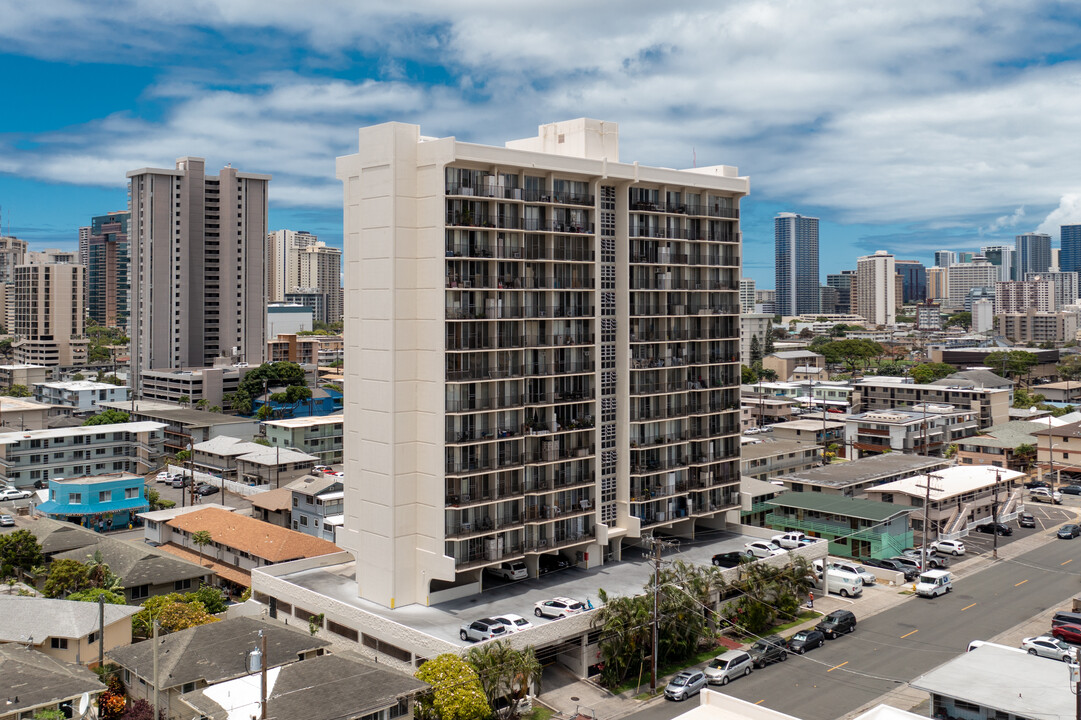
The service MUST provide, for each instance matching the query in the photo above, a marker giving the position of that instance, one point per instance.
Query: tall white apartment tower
(876, 286)
(746, 295)
(283, 261)
(198, 266)
(543, 353)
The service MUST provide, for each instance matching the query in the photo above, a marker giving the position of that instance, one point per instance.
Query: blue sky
(904, 126)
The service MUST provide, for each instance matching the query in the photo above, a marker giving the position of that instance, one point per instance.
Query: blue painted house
(322, 402)
(98, 502)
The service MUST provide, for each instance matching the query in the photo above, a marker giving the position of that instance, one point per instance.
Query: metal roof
(840, 505)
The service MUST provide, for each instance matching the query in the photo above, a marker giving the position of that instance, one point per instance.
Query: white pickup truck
(791, 540)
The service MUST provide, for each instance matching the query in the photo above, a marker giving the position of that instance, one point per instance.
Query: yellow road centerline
(760, 701)
(1068, 561)
(909, 633)
(837, 666)
(1020, 583)
(968, 606)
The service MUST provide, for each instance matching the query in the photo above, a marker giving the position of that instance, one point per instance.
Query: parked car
(912, 563)
(7, 521)
(732, 559)
(41, 484)
(514, 570)
(866, 575)
(1070, 490)
(1067, 633)
(934, 560)
(1026, 520)
(837, 623)
(685, 685)
(207, 489)
(934, 583)
(166, 477)
(559, 607)
(948, 547)
(1045, 495)
(513, 623)
(13, 494)
(180, 481)
(1069, 531)
(1048, 647)
(806, 640)
(789, 540)
(1065, 617)
(1036, 484)
(768, 650)
(552, 562)
(998, 528)
(764, 548)
(483, 629)
(322, 468)
(890, 564)
(732, 664)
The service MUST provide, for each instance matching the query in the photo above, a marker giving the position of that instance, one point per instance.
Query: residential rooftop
(175, 413)
(170, 513)
(80, 385)
(10, 438)
(873, 510)
(808, 425)
(313, 484)
(226, 445)
(25, 618)
(275, 456)
(14, 404)
(794, 354)
(42, 680)
(949, 482)
(1008, 435)
(757, 488)
(303, 422)
(274, 500)
(867, 469)
(97, 479)
(260, 539)
(975, 377)
(771, 448)
(136, 563)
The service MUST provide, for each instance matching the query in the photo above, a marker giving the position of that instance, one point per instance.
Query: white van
(934, 583)
(843, 582)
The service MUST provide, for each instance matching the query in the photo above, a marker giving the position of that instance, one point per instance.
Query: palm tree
(505, 673)
(201, 538)
(625, 635)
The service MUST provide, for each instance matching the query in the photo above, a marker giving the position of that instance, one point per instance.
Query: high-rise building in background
(937, 284)
(945, 258)
(300, 261)
(796, 264)
(966, 257)
(962, 277)
(1002, 257)
(52, 256)
(1070, 253)
(1019, 295)
(746, 295)
(913, 280)
(765, 301)
(198, 266)
(842, 282)
(283, 261)
(983, 316)
(1065, 287)
(84, 245)
(876, 288)
(1033, 254)
(49, 318)
(827, 300)
(590, 308)
(108, 270)
(1056, 254)
(12, 254)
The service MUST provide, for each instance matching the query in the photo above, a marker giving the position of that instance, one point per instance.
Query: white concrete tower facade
(876, 285)
(543, 351)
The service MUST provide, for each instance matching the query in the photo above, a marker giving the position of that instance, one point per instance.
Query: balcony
(560, 540)
(474, 404)
(479, 465)
(484, 526)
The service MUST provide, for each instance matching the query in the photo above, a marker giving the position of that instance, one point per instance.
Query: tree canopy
(271, 375)
(1011, 363)
(961, 319)
(456, 694)
(926, 373)
(19, 550)
(1070, 368)
(852, 353)
(107, 417)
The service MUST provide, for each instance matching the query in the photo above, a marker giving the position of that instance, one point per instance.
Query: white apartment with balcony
(544, 348)
(82, 396)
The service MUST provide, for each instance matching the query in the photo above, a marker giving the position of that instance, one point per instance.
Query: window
(140, 592)
(182, 585)
(105, 495)
(304, 520)
(187, 688)
(92, 638)
(131, 493)
(75, 498)
(295, 503)
(59, 643)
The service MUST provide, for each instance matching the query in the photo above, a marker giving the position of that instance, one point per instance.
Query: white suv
(559, 607)
(1045, 496)
(953, 547)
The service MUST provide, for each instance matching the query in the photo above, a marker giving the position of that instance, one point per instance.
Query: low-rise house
(823, 432)
(990, 405)
(319, 436)
(997, 682)
(785, 363)
(186, 425)
(82, 396)
(769, 458)
(66, 630)
(274, 506)
(854, 477)
(324, 401)
(998, 446)
(204, 656)
(273, 466)
(919, 430)
(25, 414)
(961, 496)
(341, 686)
(754, 496)
(57, 537)
(854, 527)
(131, 447)
(762, 410)
(23, 374)
(1059, 449)
(44, 683)
(218, 456)
(240, 543)
(318, 505)
(1066, 391)
(144, 571)
(97, 502)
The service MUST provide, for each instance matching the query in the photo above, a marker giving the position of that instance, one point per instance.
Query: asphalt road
(904, 642)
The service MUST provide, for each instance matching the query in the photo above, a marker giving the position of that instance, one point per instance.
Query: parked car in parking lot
(13, 494)
(999, 528)
(1067, 633)
(910, 573)
(1048, 647)
(1036, 484)
(1045, 495)
(559, 607)
(207, 489)
(550, 563)
(483, 629)
(1069, 531)
(934, 560)
(732, 559)
(732, 664)
(948, 547)
(1070, 490)
(7, 521)
(685, 685)
(806, 640)
(180, 481)
(514, 570)
(166, 477)
(513, 623)
(1026, 520)
(764, 548)
(837, 623)
(790, 539)
(768, 650)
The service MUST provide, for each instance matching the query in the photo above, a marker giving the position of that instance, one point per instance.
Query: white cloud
(1005, 221)
(1068, 212)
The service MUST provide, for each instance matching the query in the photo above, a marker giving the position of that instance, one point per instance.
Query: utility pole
(994, 517)
(157, 711)
(658, 544)
(101, 630)
(926, 519)
(262, 672)
(1075, 677)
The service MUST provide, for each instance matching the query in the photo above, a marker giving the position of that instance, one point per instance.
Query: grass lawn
(800, 619)
(539, 713)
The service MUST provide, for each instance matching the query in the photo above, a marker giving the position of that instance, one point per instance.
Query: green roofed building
(855, 528)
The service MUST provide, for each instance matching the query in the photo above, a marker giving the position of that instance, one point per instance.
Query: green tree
(212, 598)
(153, 498)
(7, 349)
(926, 373)
(17, 391)
(769, 348)
(767, 374)
(505, 673)
(264, 413)
(182, 456)
(1024, 399)
(214, 409)
(92, 594)
(456, 692)
(852, 353)
(961, 319)
(20, 550)
(771, 593)
(1070, 368)
(1025, 453)
(756, 350)
(184, 615)
(839, 330)
(107, 417)
(806, 333)
(201, 538)
(99, 574)
(893, 369)
(66, 576)
(78, 376)
(184, 399)
(48, 715)
(1011, 363)
(202, 404)
(747, 375)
